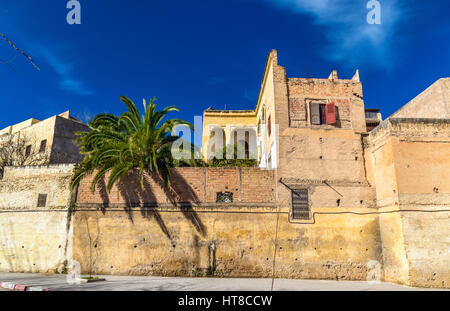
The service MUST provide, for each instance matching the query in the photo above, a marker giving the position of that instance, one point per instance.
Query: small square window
(42, 200)
(43, 145)
(28, 151)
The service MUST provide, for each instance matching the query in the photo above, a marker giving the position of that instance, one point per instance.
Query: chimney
(333, 76)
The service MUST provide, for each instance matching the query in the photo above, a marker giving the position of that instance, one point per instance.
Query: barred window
(224, 197)
(300, 204)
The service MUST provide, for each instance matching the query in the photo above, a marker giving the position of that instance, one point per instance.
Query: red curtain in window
(330, 112)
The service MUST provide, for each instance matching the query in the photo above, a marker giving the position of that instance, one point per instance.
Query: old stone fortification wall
(412, 177)
(141, 232)
(172, 242)
(32, 238)
(126, 235)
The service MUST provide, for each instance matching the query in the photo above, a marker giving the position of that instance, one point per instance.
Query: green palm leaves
(118, 145)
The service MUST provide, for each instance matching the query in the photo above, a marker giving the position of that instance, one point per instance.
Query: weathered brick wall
(257, 186)
(346, 94)
(192, 185)
(222, 180)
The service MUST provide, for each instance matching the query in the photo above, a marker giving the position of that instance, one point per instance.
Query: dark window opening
(371, 115)
(323, 117)
(241, 144)
(42, 200)
(43, 145)
(323, 113)
(247, 151)
(224, 197)
(318, 114)
(300, 204)
(269, 125)
(247, 146)
(28, 151)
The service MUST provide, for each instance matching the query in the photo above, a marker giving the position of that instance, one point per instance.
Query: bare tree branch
(13, 152)
(20, 51)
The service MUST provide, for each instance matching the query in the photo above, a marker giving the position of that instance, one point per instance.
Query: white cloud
(63, 68)
(351, 38)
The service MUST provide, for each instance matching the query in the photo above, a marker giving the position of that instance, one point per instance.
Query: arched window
(217, 143)
(244, 141)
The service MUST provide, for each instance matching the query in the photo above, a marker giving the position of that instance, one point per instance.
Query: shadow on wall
(180, 194)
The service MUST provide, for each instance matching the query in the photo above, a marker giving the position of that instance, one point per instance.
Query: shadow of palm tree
(101, 186)
(181, 194)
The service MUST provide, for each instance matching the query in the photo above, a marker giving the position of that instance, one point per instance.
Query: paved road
(136, 283)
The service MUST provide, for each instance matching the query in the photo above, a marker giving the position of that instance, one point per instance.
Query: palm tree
(118, 145)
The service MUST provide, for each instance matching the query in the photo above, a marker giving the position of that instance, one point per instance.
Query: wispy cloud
(62, 67)
(350, 37)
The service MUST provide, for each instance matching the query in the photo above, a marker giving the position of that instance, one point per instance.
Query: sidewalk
(138, 283)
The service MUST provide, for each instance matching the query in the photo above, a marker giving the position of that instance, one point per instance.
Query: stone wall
(64, 148)
(142, 232)
(412, 177)
(229, 240)
(32, 238)
(380, 201)
(129, 234)
(329, 163)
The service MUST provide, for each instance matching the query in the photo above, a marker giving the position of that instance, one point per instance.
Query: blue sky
(199, 54)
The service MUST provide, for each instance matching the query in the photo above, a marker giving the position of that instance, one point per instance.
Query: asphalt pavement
(140, 283)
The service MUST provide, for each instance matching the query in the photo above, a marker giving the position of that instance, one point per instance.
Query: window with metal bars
(224, 197)
(300, 204)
